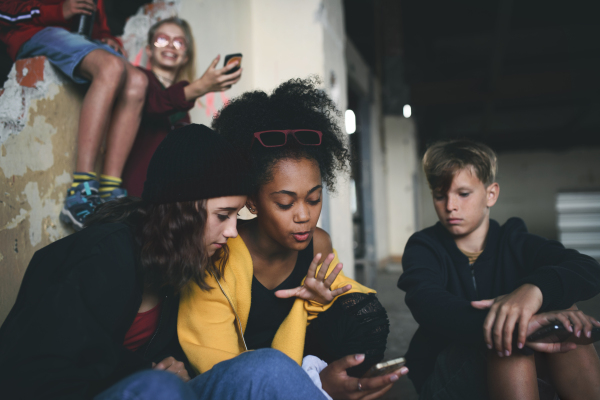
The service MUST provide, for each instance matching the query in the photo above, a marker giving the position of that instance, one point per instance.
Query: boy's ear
(492, 193)
(148, 51)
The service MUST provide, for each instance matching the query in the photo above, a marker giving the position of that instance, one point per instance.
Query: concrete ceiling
(514, 74)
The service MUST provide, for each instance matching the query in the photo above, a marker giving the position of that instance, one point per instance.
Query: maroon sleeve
(17, 12)
(163, 102)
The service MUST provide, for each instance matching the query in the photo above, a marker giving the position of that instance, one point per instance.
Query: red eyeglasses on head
(163, 40)
(276, 138)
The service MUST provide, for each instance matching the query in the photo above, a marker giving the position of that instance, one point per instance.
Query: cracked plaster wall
(38, 127)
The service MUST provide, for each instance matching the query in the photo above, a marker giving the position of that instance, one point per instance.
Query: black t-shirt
(268, 311)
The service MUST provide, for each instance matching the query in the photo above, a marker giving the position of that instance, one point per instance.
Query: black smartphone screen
(229, 58)
(553, 333)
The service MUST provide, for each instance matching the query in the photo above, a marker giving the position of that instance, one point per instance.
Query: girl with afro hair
(282, 286)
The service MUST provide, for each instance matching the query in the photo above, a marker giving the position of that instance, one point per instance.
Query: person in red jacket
(170, 94)
(114, 100)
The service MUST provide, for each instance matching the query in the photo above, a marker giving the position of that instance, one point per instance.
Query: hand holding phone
(338, 384)
(557, 333)
(213, 80)
(231, 58)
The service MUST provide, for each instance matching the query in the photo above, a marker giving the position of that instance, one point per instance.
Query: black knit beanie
(193, 163)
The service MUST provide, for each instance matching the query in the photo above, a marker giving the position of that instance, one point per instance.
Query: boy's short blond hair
(443, 160)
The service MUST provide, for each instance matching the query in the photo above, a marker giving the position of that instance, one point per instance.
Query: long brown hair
(187, 71)
(171, 240)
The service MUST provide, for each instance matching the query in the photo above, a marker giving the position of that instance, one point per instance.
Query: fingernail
(359, 357)
(589, 334)
(500, 354)
(506, 353)
(404, 370)
(520, 345)
(394, 377)
(570, 328)
(489, 346)
(578, 333)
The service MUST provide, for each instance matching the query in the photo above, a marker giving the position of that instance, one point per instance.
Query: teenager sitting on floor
(467, 274)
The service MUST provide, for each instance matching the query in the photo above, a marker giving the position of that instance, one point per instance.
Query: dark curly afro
(295, 104)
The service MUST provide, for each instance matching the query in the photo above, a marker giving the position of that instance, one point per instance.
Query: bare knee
(513, 377)
(136, 84)
(111, 71)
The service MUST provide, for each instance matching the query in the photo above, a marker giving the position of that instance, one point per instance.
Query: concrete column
(402, 166)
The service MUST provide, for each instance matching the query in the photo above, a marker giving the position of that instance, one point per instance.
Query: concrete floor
(403, 326)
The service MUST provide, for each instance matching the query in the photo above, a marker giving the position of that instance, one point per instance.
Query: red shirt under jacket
(143, 327)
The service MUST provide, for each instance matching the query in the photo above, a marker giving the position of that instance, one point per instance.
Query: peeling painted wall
(38, 128)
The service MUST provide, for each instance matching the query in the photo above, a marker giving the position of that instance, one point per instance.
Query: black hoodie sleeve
(564, 276)
(58, 339)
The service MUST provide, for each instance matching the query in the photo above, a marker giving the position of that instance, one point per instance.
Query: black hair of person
(295, 104)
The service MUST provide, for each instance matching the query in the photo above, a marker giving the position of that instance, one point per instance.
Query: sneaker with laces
(80, 204)
(116, 194)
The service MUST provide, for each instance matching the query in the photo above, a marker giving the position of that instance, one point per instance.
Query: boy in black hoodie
(468, 274)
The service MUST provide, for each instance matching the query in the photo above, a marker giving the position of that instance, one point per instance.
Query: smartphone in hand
(385, 367)
(230, 58)
(556, 333)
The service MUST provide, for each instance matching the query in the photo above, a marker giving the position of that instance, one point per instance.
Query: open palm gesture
(316, 287)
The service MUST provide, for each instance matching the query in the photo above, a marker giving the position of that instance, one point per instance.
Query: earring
(252, 210)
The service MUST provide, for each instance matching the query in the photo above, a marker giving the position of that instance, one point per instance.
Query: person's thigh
(260, 374)
(65, 50)
(149, 385)
(460, 373)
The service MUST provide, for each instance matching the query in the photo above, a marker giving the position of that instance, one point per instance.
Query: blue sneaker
(80, 204)
(115, 194)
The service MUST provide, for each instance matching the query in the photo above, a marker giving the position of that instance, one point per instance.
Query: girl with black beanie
(273, 293)
(96, 313)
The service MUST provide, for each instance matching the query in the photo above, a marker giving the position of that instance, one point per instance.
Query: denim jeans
(65, 50)
(260, 374)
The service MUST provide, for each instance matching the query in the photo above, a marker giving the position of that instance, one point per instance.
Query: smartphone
(553, 333)
(385, 367)
(556, 333)
(229, 58)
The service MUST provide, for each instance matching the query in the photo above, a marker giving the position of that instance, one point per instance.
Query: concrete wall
(329, 15)
(401, 166)
(373, 163)
(379, 155)
(39, 113)
(529, 182)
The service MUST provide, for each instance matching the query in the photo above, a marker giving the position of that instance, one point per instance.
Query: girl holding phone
(273, 292)
(170, 95)
(96, 313)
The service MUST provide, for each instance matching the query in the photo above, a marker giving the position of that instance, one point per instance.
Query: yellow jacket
(207, 325)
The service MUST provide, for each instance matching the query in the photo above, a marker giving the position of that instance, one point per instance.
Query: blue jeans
(260, 374)
(63, 49)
